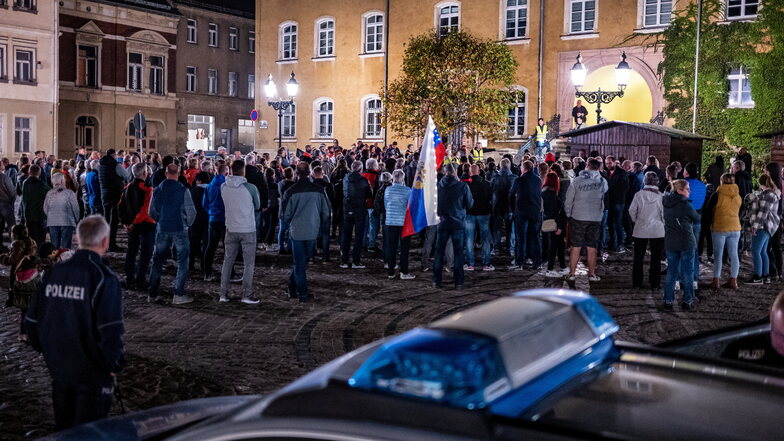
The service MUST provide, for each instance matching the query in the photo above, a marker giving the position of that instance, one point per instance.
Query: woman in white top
(647, 213)
(62, 212)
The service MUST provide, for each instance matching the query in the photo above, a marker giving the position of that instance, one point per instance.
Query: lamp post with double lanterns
(280, 105)
(622, 74)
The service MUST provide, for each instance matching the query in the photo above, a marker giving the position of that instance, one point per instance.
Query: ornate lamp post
(622, 74)
(280, 105)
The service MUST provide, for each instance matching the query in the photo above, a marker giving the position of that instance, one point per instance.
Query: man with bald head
(762, 348)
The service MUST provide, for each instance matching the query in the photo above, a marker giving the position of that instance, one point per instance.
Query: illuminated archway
(635, 106)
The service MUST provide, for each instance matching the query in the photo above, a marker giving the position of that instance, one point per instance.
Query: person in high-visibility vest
(541, 138)
(477, 153)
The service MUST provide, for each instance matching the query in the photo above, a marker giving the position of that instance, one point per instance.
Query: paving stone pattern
(209, 349)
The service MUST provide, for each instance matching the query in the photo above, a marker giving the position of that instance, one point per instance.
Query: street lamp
(270, 89)
(622, 74)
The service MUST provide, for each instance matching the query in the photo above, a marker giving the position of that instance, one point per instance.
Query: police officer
(75, 319)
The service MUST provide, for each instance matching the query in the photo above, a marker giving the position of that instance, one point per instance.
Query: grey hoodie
(647, 213)
(584, 199)
(241, 200)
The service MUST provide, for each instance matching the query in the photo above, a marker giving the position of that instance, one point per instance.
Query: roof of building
(669, 131)
(244, 8)
(155, 5)
(771, 134)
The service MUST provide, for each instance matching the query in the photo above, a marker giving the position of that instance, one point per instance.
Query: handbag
(549, 226)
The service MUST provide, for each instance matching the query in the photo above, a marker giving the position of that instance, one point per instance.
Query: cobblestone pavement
(208, 349)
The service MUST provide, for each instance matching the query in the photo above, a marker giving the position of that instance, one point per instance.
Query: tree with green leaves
(757, 46)
(460, 80)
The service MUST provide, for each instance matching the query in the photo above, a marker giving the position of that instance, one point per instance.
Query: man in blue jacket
(216, 230)
(525, 200)
(697, 193)
(75, 319)
(454, 198)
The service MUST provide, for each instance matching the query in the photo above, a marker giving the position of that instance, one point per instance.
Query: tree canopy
(460, 80)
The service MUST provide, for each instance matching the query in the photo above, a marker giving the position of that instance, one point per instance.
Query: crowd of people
(539, 212)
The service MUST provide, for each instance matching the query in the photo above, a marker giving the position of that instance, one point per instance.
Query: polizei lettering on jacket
(65, 292)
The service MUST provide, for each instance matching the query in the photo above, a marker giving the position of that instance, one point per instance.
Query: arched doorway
(86, 133)
(635, 106)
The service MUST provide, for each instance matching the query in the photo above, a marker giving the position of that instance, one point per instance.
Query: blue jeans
(680, 265)
(759, 252)
(458, 242)
(283, 236)
(62, 237)
(696, 227)
(471, 222)
(505, 221)
(730, 239)
(372, 228)
(603, 234)
(324, 239)
(298, 280)
(617, 233)
(528, 235)
(137, 242)
(163, 242)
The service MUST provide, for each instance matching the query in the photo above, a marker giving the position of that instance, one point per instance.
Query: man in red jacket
(371, 165)
(134, 207)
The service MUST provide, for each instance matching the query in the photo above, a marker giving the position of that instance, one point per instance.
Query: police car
(541, 365)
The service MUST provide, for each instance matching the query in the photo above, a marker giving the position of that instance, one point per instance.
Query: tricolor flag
(422, 203)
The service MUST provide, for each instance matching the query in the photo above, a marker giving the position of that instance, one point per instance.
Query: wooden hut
(637, 141)
(776, 145)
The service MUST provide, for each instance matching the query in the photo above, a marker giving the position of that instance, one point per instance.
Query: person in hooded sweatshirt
(356, 191)
(502, 214)
(584, 206)
(679, 243)
(764, 221)
(216, 228)
(454, 198)
(725, 229)
(647, 214)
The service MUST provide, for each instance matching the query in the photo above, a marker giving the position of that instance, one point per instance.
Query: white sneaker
(407, 276)
(565, 271)
(571, 278)
(552, 273)
(468, 268)
(594, 278)
(358, 266)
(223, 299)
(250, 300)
(273, 247)
(391, 277)
(181, 300)
(344, 265)
(696, 285)
(386, 266)
(488, 268)
(677, 285)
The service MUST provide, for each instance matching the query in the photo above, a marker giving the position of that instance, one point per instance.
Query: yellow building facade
(342, 51)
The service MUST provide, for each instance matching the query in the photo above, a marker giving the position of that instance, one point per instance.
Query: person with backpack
(133, 211)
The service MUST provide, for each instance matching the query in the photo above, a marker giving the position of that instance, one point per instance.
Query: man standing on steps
(172, 208)
(305, 209)
(241, 200)
(584, 205)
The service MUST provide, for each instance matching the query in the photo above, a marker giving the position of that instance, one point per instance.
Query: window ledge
(285, 139)
(371, 139)
(3, 80)
(728, 21)
(29, 11)
(517, 41)
(327, 58)
(287, 61)
(650, 30)
(371, 55)
(193, 42)
(582, 36)
(25, 83)
(320, 140)
(741, 106)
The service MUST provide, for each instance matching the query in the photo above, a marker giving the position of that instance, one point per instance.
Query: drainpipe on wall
(55, 77)
(541, 53)
(696, 66)
(386, 63)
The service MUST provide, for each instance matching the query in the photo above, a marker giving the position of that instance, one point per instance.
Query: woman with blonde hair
(724, 209)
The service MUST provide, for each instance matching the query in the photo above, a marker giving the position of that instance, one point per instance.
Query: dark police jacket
(75, 319)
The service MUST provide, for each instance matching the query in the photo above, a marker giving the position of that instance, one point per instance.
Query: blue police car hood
(154, 422)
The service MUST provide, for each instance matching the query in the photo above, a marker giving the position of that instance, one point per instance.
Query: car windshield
(654, 401)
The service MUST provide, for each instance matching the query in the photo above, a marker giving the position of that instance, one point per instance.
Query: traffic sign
(254, 115)
(139, 125)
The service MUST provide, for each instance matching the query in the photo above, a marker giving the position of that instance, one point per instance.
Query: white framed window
(212, 81)
(84, 132)
(517, 115)
(24, 65)
(192, 31)
(251, 86)
(516, 19)
(234, 39)
(232, 83)
(371, 117)
(737, 9)
(3, 75)
(656, 13)
(447, 18)
(252, 42)
(582, 16)
(325, 37)
(87, 66)
(739, 88)
(325, 118)
(23, 134)
(27, 5)
(157, 85)
(212, 30)
(373, 26)
(289, 127)
(135, 67)
(190, 78)
(288, 41)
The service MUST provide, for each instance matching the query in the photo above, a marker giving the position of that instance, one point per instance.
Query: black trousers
(217, 230)
(113, 219)
(37, 231)
(393, 236)
(654, 270)
(353, 222)
(76, 404)
(199, 237)
(555, 248)
(774, 253)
